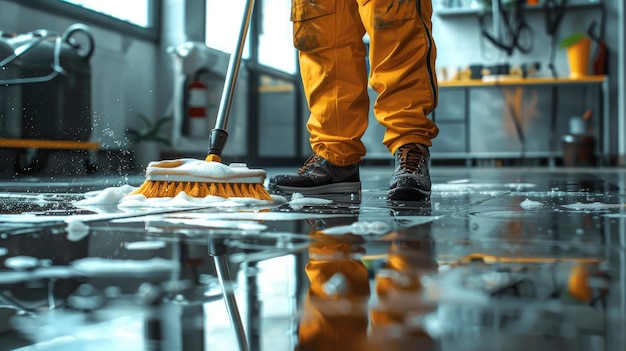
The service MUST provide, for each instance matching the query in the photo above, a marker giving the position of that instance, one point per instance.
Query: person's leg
(328, 35)
(332, 66)
(402, 58)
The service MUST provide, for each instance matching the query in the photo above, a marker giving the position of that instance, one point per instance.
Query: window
(275, 43)
(276, 109)
(138, 18)
(223, 22)
(137, 12)
(276, 48)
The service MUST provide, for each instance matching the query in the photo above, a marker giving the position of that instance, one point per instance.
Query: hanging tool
(201, 178)
(518, 34)
(600, 62)
(554, 11)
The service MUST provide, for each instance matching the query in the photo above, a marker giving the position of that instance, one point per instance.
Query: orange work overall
(329, 37)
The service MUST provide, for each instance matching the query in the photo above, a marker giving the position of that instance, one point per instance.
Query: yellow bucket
(578, 58)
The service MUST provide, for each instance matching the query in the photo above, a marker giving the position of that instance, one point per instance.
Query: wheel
(80, 38)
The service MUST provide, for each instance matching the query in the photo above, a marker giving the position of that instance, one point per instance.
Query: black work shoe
(318, 177)
(411, 178)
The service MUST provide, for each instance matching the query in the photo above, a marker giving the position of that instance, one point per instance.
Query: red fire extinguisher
(197, 108)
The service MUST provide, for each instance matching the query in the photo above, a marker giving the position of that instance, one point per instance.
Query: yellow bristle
(179, 187)
(199, 189)
(260, 193)
(249, 189)
(188, 188)
(238, 190)
(161, 188)
(231, 189)
(219, 189)
(157, 188)
(168, 189)
(141, 189)
(244, 190)
(225, 189)
(153, 191)
(203, 189)
(212, 189)
(195, 190)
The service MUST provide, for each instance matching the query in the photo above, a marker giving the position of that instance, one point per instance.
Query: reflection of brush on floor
(200, 178)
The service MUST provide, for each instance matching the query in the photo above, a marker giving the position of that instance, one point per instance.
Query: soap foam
(531, 205)
(76, 230)
(111, 195)
(93, 266)
(212, 171)
(595, 206)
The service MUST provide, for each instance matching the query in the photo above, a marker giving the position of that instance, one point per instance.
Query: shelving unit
(466, 11)
(478, 125)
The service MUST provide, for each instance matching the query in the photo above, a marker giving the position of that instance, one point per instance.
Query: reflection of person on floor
(337, 314)
(334, 315)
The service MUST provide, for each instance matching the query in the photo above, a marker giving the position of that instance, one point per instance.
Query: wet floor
(498, 259)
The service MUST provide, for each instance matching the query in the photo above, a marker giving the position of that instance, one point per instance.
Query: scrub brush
(201, 178)
(198, 178)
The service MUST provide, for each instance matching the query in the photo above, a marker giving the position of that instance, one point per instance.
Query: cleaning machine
(45, 90)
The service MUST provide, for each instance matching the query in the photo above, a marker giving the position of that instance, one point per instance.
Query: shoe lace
(309, 162)
(411, 157)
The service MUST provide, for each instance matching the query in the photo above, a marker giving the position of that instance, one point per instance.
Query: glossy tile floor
(499, 259)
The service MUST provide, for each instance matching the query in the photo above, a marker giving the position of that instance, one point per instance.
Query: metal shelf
(549, 152)
(466, 11)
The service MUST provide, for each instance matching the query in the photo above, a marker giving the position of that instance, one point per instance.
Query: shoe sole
(408, 194)
(337, 188)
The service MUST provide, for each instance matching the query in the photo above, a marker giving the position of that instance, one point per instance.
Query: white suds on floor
(145, 245)
(76, 230)
(360, 228)
(180, 200)
(121, 197)
(242, 225)
(530, 204)
(595, 206)
(98, 266)
(108, 196)
(298, 201)
(21, 262)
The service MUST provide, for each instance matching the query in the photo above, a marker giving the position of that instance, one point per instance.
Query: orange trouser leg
(328, 35)
(334, 320)
(402, 59)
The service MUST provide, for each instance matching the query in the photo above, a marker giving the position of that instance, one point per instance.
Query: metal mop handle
(218, 137)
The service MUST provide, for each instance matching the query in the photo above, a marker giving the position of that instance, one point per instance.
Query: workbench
(518, 118)
(31, 161)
